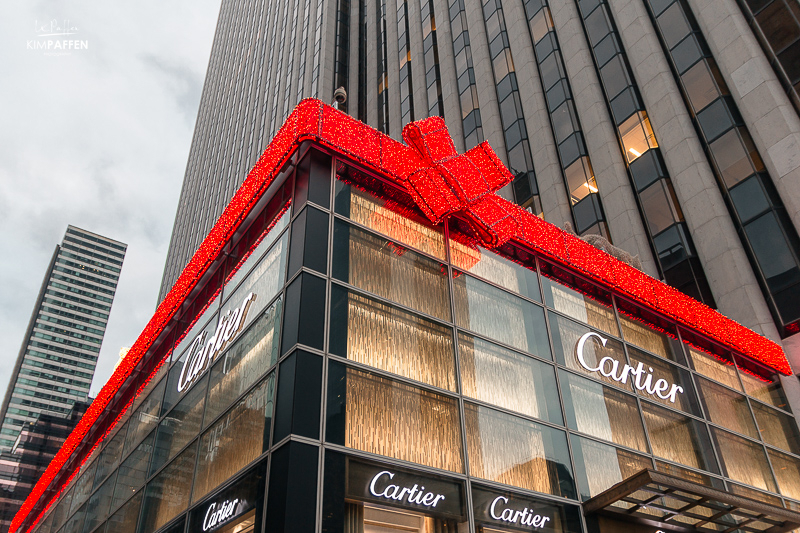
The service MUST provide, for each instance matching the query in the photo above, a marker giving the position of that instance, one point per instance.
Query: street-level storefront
(334, 361)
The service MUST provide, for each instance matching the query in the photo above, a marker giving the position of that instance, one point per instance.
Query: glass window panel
(787, 472)
(179, 427)
(765, 389)
(99, 505)
(726, 408)
(564, 123)
(743, 460)
(83, 487)
(614, 75)
(749, 199)
(777, 428)
(167, 495)
(236, 439)
(637, 136)
(700, 86)
(476, 260)
(754, 494)
(733, 158)
(75, 523)
(499, 315)
(772, 251)
(597, 26)
(643, 336)
(580, 179)
(673, 25)
(378, 415)
(206, 321)
(599, 466)
(390, 270)
(691, 475)
(111, 455)
(663, 382)
(133, 471)
(389, 218)
(391, 339)
(567, 334)
(602, 412)
(244, 266)
(145, 418)
(715, 119)
(678, 438)
(595, 313)
(508, 379)
(779, 26)
(264, 282)
(714, 366)
(687, 53)
(541, 24)
(517, 452)
(660, 207)
(124, 520)
(245, 362)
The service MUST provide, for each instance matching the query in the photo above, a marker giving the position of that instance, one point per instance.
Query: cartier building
(371, 340)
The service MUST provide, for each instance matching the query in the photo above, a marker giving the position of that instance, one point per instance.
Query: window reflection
(637, 136)
(517, 452)
(643, 336)
(245, 362)
(179, 427)
(133, 471)
(167, 494)
(390, 270)
(124, 520)
(678, 438)
(389, 218)
(726, 408)
(743, 460)
(499, 376)
(599, 466)
(714, 366)
(580, 179)
(378, 415)
(236, 439)
(602, 412)
(597, 314)
(384, 337)
(497, 314)
(787, 472)
(145, 417)
(777, 429)
(488, 265)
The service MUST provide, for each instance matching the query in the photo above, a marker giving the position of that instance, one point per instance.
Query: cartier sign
(642, 379)
(219, 513)
(202, 352)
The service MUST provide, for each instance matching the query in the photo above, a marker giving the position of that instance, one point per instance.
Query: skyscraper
(56, 362)
(669, 127)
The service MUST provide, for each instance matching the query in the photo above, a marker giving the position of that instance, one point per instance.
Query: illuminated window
(637, 136)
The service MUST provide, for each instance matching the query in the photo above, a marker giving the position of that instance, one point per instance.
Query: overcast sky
(98, 139)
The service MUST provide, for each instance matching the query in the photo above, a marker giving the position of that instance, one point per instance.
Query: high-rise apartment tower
(670, 127)
(56, 362)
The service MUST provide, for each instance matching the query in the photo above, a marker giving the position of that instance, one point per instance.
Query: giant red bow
(449, 183)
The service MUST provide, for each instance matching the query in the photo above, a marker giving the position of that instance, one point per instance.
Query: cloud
(98, 139)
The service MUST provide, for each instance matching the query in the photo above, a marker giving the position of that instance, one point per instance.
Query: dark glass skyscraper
(56, 362)
(667, 127)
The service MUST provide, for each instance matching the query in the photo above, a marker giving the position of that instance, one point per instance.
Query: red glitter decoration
(442, 183)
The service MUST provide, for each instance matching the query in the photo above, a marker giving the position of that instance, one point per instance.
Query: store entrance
(381, 519)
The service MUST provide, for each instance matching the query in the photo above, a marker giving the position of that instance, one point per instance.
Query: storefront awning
(674, 504)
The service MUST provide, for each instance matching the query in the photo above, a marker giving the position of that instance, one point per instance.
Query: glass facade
(391, 375)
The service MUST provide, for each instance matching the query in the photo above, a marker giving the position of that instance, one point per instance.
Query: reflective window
(777, 428)
(109, 458)
(726, 408)
(167, 495)
(133, 471)
(717, 367)
(743, 460)
(763, 388)
(637, 136)
(476, 260)
(388, 338)
(660, 206)
(596, 313)
(180, 426)
(145, 418)
(517, 452)
(599, 467)
(508, 379)
(124, 520)
(787, 472)
(700, 85)
(644, 336)
(83, 487)
(499, 315)
(99, 505)
(678, 438)
(390, 270)
(245, 362)
(390, 219)
(602, 412)
(663, 382)
(236, 439)
(378, 415)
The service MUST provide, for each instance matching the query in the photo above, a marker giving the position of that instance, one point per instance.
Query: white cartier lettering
(641, 378)
(216, 514)
(415, 495)
(525, 517)
(201, 356)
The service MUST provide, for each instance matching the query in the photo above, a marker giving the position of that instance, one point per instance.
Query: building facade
(56, 362)
(371, 340)
(671, 128)
(37, 444)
